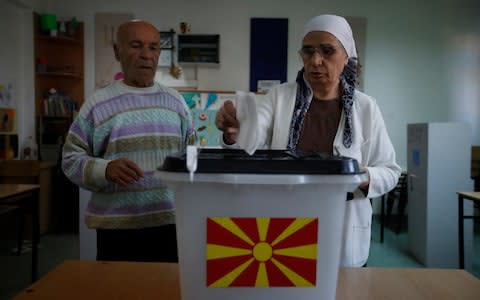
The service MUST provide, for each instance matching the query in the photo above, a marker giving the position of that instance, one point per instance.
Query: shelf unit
(199, 49)
(59, 64)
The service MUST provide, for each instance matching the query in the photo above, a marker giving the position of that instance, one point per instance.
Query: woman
(323, 112)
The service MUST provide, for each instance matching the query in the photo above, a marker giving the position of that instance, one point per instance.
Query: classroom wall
(422, 58)
(408, 63)
(464, 70)
(16, 55)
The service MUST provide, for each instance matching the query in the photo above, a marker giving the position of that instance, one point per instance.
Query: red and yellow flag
(261, 252)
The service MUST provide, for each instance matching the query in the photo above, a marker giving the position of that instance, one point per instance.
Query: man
(122, 134)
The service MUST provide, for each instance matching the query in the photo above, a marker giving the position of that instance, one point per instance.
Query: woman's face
(323, 58)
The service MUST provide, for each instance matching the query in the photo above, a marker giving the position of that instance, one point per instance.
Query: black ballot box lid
(263, 162)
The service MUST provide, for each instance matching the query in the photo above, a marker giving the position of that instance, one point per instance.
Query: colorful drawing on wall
(8, 146)
(261, 252)
(7, 120)
(192, 99)
(207, 133)
(6, 95)
(204, 107)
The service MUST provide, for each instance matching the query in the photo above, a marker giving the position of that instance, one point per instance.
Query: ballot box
(266, 226)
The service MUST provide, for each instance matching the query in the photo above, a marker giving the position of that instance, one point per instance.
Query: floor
(15, 270)
(55, 248)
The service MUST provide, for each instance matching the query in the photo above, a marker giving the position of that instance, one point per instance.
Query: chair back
(475, 169)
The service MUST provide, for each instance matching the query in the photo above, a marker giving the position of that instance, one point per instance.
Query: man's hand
(123, 172)
(226, 121)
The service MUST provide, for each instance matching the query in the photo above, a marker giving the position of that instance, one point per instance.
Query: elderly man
(122, 133)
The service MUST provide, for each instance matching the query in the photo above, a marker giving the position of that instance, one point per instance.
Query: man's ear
(115, 50)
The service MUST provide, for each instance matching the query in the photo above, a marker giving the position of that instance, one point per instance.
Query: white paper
(192, 155)
(247, 117)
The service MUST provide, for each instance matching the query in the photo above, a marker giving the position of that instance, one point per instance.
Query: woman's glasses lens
(325, 50)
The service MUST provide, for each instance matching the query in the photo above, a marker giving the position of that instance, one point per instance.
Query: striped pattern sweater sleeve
(144, 125)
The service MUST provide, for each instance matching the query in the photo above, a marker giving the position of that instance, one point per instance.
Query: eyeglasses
(325, 51)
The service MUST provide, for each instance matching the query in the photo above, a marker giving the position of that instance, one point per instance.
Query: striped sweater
(141, 124)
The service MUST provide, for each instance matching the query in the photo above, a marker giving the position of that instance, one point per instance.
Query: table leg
(461, 253)
(35, 234)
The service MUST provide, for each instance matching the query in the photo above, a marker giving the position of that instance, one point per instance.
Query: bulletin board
(268, 50)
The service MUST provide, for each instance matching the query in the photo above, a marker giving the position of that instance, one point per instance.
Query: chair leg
(382, 219)
(390, 203)
(401, 212)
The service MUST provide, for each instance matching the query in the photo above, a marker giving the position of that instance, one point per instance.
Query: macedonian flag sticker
(261, 252)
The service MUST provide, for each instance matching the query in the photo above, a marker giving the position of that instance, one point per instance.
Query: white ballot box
(255, 227)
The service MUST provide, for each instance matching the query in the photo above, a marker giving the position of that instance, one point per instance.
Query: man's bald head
(125, 28)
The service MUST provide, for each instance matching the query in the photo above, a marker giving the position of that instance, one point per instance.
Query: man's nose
(146, 52)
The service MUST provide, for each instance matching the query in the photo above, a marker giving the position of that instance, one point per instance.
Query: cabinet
(59, 65)
(438, 159)
(199, 49)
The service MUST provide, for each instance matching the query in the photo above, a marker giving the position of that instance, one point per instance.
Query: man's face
(137, 51)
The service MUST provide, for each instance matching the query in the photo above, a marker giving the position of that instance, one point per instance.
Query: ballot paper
(247, 117)
(192, 158)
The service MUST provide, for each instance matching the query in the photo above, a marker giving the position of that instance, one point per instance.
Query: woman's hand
(364, 185)
(226, 121)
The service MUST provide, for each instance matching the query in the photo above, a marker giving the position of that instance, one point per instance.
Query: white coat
(371, 147)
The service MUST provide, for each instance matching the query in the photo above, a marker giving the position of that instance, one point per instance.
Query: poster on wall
(204, 107)
(7, 120)
(6, 94)
(8, 146)
(8, 115)
(107, 68)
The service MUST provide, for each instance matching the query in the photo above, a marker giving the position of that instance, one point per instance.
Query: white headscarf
(337, 26)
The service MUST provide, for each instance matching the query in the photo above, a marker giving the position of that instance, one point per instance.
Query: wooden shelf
(62, 65)
(59, 39)
(60, 74)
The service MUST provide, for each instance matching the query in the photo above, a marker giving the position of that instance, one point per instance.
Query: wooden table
(128, 280)
(26, 196)
(25, 171)
(474, 196)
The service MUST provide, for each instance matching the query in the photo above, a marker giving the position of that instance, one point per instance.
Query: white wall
(464, 66)
(16, 61)
(408, 62)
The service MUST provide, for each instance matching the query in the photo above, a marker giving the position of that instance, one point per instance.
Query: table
(130, 280)
(26, 196)
(474, 196)
(25, 171)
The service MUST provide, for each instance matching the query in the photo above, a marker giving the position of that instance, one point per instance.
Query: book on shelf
(56, 104)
